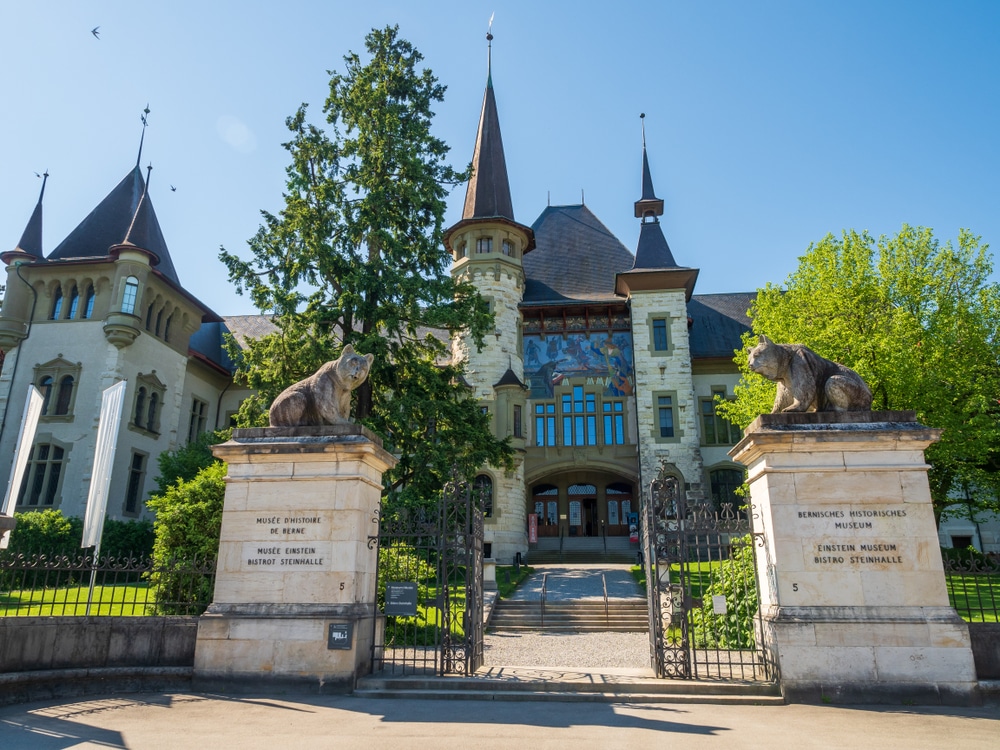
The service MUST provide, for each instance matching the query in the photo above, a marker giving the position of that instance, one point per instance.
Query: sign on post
(401, 599)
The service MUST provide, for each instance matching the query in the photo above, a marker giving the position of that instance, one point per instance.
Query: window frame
(58, 405)
(658, 407)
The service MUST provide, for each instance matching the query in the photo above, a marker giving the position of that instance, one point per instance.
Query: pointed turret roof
(125, 216)
(488, 194)
(31, 239)
(509, 378)
(654, 266)
(652, 250)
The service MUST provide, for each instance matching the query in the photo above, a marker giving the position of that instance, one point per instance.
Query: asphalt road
(155, 721)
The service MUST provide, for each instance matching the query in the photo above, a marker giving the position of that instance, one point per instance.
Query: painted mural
(596, 356)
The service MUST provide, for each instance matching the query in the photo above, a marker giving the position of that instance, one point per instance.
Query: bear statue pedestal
(853, 596)
(294, 603)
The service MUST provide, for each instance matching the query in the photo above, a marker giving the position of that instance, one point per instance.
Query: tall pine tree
(355, 257)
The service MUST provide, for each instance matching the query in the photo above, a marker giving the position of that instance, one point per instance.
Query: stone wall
(666, 372)
(49, 657)
(37, 643)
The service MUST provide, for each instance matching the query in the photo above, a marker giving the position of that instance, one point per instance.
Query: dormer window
(130, 295)
(507, 248)
(484, 245)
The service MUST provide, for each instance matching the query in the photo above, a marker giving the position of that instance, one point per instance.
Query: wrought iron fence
(61, 585)
(973, 582)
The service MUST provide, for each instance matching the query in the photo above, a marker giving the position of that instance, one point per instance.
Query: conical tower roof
(488, 193)
(31, 239)
(125, 215)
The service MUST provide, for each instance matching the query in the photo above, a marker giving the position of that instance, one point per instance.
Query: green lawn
(130, 600)
(976, 597)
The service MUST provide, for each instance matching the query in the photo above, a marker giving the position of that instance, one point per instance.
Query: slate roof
(717, 323)
(488, 192)
(122, 214)
(31, 239)
(575, 258)
(652, 250)
(244, 327)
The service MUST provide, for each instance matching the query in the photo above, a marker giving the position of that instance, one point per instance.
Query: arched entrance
(581, 504)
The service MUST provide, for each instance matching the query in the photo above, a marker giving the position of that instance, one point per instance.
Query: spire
(652, 250)
(31, 239)
(488, 194)
(648, 206)
(143, 116)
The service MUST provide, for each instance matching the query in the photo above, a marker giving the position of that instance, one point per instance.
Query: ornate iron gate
(702, 588)
(438, 556)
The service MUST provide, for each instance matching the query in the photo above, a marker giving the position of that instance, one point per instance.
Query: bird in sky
(95, 32)
(173, 189)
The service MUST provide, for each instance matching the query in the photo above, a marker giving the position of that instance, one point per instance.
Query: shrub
(46, 532)
(735, 579)
(187, 527)
(183, 464)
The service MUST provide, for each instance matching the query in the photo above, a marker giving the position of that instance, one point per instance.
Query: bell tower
(487, 246)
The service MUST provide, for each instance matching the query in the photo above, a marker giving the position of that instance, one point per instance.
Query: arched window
(153, 413)
(65, 395)
(140, 407)
(483, 486)
(159, 321)
(88, 308)
(130, 295)
(45, 386)
(74, 303)
(725, 482)
(57, 303)
(166, 329)
(149, 317)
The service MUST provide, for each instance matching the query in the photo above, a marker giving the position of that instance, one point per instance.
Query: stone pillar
(853, 594)
(294, 602)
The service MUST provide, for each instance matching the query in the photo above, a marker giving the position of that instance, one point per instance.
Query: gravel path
(576, 650)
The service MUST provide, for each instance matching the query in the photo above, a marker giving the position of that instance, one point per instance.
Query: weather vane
(142, 138)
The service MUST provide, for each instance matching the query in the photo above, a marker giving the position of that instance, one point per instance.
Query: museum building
(604, 366)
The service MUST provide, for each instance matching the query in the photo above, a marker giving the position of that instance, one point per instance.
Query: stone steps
(495, 684)
(622, 616)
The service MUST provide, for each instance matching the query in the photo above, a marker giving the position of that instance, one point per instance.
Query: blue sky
(769, 124)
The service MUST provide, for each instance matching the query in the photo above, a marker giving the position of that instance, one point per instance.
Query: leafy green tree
(919, 321)
(356, 257)
(184, 463)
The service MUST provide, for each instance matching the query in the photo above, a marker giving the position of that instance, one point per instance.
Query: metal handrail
(607, 617)
(545, 591)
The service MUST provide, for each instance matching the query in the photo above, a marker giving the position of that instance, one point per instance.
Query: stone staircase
(539, 684)
(588, 549)
(582, 616)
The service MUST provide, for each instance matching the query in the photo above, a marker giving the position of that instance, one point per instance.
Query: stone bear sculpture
(807, 381)
(324, 398)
